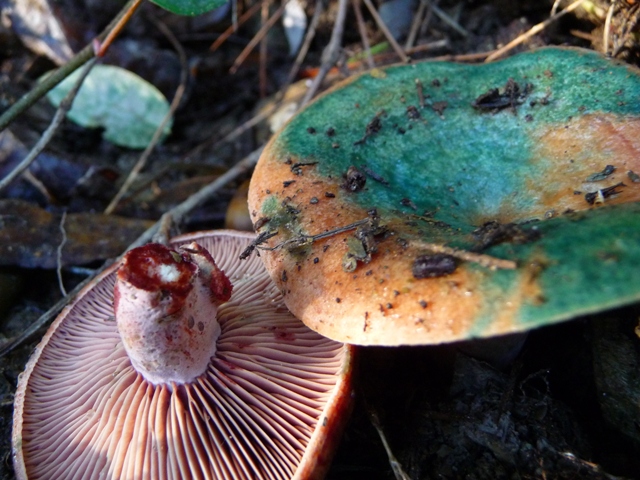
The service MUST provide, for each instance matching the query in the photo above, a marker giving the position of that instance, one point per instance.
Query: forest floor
(440, 412)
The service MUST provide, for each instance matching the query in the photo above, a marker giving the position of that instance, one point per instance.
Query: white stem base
(165, 306)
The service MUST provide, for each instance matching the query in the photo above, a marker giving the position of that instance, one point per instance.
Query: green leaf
(534, 159)
(189, 7)
(129, 108)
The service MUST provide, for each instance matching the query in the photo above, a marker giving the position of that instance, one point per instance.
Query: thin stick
(262, 70)
(628, 28)
(234, 26)
(330, 54)
(180, 211)
(363, 33)
(302, 240)
(175, 102)
(117, 28)
(396, 466)
(533, 31)
(607, 28)
(464, 57)
(583, 35)
(302, 53)
(425, 47)
(47, 135)
(163, 234)
(234, 14)
(481, 259)
(63, 232)
(385, 30)
(233, 134)
(240, 129)
(415, 25)
(257, 38)
(31, 178)
(58, 75)
(428, 17)
(177, 213)
(449, 21)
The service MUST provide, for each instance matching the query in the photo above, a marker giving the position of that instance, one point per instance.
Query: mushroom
(438, 202)
(187, 368)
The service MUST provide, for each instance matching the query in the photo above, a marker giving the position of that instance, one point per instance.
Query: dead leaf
(30, 236)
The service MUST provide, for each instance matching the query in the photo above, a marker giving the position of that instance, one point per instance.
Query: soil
(565, 404)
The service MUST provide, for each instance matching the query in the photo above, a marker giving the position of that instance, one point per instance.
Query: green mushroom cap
(437, 202)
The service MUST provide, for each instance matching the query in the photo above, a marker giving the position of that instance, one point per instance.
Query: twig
(181, 210)
(47, 135)
(117, 28)
(175, 102)
(163, 234)
(330, 54)
(449, 21)
(429, 16)
(234, 14)
(628, 28)
(257, 37)
(301, 240)
(363, 33)
(37, 183)
(262, 70)
(583, 35)
(63, 232)
(240, 129)
(302, 53)
(58, 75)
(424, 47)
(440, 44)
(607, 28)
(415, 25)
(233, 134)
(464, 57)
(481, 259)
(392, 41)
(177, 214)
(398, 471)
(234, 26)
(259, 240)
(532, 31)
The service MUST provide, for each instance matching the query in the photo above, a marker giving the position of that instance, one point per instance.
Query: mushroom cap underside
(400, 200)
(270, 405)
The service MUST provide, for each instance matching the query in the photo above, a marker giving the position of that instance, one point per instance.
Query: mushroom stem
(165, 304)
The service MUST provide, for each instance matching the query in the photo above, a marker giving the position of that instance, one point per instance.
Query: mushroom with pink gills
(181, 362)
(439, 202)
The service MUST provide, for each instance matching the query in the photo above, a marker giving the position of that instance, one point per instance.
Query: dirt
(533, 412)
(447, 414)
